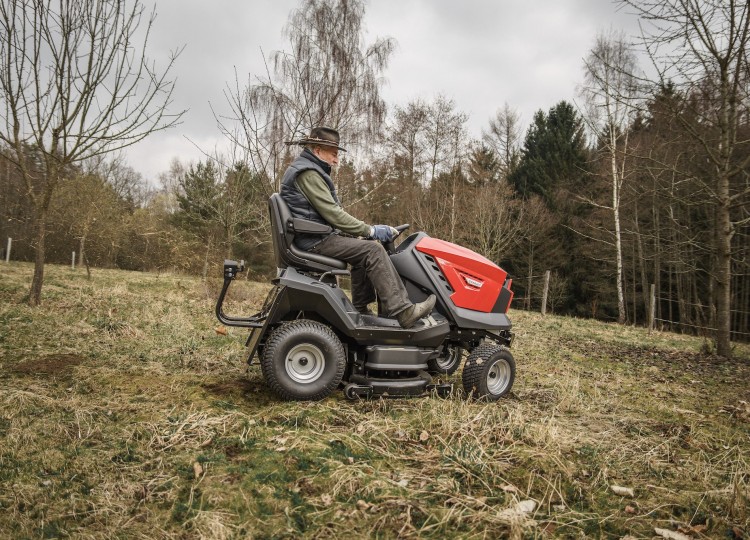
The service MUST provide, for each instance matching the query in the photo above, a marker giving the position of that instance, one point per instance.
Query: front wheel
(489, 372)
(303, 360)
(447, 363)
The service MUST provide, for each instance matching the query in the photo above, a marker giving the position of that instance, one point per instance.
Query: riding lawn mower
(310, 339)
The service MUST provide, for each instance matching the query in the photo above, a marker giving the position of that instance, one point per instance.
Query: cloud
(480, 53)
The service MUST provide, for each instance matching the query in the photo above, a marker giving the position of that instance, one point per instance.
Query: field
(125, 414)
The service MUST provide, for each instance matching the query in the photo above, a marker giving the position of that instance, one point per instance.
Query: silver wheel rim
(445, 362)
(305, 363)
(498, 377)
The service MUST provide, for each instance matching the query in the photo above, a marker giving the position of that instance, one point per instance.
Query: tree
(75, 84)
(702, 47)
(444, 136)
(406, 139)
(553, 154)
(504, 136)
(484, 166)
(218, 204)
(610, 90)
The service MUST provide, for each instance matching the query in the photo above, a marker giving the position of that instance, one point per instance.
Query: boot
(413, 313)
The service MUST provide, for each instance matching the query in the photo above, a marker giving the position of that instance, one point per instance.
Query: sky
(479, 53)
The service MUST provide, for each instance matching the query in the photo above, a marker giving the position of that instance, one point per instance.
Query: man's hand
(383, 233)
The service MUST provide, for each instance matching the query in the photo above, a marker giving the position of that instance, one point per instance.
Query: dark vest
(296, 201)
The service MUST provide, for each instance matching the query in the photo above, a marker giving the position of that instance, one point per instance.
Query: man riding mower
(436, 300)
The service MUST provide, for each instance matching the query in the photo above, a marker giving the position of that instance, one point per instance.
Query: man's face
(328, 154)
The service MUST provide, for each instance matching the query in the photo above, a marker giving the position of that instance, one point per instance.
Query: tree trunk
(81, 247)
(723, 271)
(618, 239)
(641, 263)
(35, 293)
(527, 300)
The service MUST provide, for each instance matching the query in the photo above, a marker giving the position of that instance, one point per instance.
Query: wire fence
(531, 301)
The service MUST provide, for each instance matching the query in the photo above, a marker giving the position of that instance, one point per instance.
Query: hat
(320, 136)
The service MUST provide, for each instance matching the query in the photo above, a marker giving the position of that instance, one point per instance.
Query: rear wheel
(447, 363)
(489, 372)
(303, 360)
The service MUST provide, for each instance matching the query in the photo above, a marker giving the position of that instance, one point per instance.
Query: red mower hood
(476, 281)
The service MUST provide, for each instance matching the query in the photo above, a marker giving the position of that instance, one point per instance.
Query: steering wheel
(390, 247)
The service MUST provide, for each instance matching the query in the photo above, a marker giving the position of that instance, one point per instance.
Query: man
(309, 192)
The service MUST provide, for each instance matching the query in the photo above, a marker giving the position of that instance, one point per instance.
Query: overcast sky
(480, 53)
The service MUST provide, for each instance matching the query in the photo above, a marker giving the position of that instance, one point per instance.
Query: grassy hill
(123, 413)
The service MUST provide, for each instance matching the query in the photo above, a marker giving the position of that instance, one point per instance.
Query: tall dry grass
(124, 414)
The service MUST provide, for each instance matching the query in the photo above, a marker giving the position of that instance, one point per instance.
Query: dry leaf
(671, 535)
(363, 505)
(326, 499)
(350, 459)
(197, 469)
(519, 510)
(424, 436)
(509, 489)
(221, 330)
(630, 510)
(281, 449)
(622, 491)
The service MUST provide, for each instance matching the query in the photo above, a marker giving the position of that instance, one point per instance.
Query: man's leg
(363, 293)
(370, 264)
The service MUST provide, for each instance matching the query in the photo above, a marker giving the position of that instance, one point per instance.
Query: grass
(124, 414)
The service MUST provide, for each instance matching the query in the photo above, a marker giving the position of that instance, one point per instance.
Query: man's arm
(314, 188)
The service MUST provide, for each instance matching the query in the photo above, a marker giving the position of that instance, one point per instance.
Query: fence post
(544, 294)
(73, 261)
(652, 308)
(7, 250)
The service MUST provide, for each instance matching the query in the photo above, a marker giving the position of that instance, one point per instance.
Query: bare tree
(610, 92)
(494, 219)
(75, 84)
(504, 136)
(406, 139)
(702, 47)
(328, 77)
(444, 136)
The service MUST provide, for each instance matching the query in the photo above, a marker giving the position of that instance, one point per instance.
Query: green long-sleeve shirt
(315, 190)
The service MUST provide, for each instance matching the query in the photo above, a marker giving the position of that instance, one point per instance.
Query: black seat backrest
(282, 233)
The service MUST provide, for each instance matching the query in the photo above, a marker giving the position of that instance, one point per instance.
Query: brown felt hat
(320, 136)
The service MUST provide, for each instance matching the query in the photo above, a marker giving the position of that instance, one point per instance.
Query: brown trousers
(373, 274)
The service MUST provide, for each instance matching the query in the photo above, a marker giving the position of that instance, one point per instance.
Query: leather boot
(413, 313)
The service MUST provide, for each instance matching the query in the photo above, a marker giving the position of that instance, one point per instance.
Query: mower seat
(283, 228)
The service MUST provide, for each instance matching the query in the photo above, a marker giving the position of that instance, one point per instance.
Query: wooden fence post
(544, 294)
(7, 249)
(652, 308)
(73, 261)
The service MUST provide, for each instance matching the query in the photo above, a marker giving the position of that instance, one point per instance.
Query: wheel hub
(305, 363)
(498, 377)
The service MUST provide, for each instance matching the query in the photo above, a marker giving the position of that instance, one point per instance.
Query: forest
(641, 185)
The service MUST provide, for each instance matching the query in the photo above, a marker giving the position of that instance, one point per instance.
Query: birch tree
(328, 77)
(610, 92)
